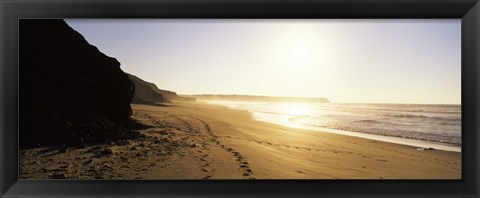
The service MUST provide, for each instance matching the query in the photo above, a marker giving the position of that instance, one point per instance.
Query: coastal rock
(144, 94)
(149, 93)
(424, 148)
(63, 150)
(70, 92)
(107, 151)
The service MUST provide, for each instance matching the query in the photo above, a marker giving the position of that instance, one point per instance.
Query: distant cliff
(70, 92)
(250, 98)
(144, 94)
(149, 93)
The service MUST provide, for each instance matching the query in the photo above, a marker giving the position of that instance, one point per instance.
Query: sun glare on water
(296, 109)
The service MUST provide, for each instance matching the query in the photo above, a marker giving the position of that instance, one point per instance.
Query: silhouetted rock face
(147, 93)
(70, 92)
(144, 94)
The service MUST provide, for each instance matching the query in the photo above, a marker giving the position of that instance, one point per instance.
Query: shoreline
(284, 146)
(206, 141)
(419, 143)
(384, 138)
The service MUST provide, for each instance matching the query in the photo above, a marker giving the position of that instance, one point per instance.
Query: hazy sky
(373, 61)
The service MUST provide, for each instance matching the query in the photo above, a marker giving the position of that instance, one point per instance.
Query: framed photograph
(240, 99)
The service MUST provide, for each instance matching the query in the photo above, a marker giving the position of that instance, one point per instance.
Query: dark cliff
(70, 92)
(147, 93)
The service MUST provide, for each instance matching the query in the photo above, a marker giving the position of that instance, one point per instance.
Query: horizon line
(330, 101)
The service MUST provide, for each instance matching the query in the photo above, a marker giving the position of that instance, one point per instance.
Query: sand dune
(201, 141)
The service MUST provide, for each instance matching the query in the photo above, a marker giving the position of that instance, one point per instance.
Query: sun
(299, 54)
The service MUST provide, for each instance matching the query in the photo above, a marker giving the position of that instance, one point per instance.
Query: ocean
(430, 126)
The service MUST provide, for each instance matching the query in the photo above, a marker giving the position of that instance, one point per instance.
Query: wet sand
(203, 141)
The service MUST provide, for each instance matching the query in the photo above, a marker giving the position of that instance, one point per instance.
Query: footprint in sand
(236, 154)
(241, 162)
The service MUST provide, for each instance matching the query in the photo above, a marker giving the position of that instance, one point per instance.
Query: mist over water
(435, 123)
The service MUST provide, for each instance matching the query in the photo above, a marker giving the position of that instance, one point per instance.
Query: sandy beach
(204, 141)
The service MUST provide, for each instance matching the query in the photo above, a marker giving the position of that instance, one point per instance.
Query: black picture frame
(466, 10)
